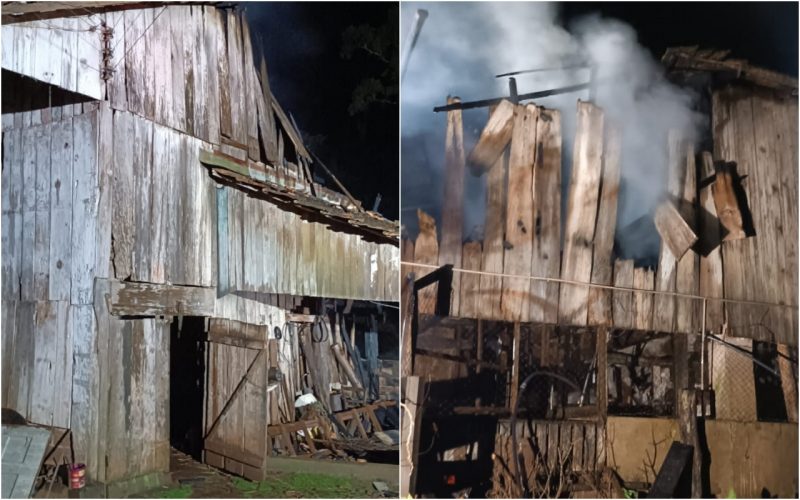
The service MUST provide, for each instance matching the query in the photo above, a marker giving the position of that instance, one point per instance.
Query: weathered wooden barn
(538, 361)
(171, 255)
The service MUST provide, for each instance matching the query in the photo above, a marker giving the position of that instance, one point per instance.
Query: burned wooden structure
(555, 347)
(169, 257)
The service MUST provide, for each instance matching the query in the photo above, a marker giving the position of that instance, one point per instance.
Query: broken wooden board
(600, 308)
(546, 251)
(493, 238)
(145, 299)
(730, 216)
(494, 138)
(675, 232)
(576, 262)
(688, 310)
(519, 215)
(666, 272)
(453, 201)
(426, 251)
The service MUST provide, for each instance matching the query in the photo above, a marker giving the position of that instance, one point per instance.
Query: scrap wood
(728, 211)
(674, 230)
(494, 138)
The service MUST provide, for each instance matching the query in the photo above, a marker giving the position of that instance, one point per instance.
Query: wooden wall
(759, 133)
(62, 52)
(523, 238)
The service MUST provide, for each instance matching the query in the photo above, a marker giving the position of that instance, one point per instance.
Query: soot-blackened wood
(688, 311)
(494, 138)
(576, 262)
(519, 215)
(668, 481)
(494, 236)
(666, 272)
(426, 251)
(453, 208)
(546, 250)
(600, 308)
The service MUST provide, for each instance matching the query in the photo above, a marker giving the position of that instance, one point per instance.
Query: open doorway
(186, 384)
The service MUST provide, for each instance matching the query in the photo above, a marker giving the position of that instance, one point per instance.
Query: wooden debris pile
(519, 150)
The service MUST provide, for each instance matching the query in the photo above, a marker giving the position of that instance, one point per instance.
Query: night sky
(311, 79)
(764, 33)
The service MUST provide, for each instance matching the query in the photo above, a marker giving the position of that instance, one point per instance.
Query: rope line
(605, 287)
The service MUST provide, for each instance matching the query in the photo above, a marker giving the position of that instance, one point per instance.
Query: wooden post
(371, 348)
(410, 423)
(453, 209)
(515, 366)
(687, 418)
(602, 372)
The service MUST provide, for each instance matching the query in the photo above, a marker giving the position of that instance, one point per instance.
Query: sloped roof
(717, 62)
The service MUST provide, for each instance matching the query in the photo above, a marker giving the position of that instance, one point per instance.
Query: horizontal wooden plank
(146, 299)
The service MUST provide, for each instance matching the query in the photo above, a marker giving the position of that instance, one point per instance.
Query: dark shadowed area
(333, 66)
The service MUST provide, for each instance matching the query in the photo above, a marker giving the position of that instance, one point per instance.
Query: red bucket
(77, 476)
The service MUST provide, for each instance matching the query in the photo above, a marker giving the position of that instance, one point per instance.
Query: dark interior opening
(770, 404)
(21, 93)
(186, 384)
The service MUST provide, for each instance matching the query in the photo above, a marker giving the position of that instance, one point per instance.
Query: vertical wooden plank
(666, 272)
(211, 102)
(125, 206)
(182, 216)
(515, 355)
(223, 35)
(623, 301)
(60, 211)
(69, 50)
(42, 378)
(134, 61)
(600, 308)
(177, 26)
(236, 79)
(62, 402)
(84, 418)
(9, 319)
(426, 251)
(710, 263)
(85, 198)
(453, 200)
(519, 215)
(576, 262)
(643, 279)
(251, 90)
(161, 49)
(28, 213)
(117, 85)
(142, 164)
(24, 352)
(470, 283)
(163, 142)
(545, 261)
(12, 207)
(88, 80)
(688, 311)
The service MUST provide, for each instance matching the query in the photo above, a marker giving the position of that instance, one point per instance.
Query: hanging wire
(128, 49)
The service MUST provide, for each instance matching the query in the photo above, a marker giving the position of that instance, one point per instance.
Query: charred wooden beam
(485, 103)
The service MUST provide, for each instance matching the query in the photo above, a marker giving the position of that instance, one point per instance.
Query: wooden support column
(687, 419)
(788, 382)
(479, 351)
(453, 209)
(680, 367)
(411, 420)
(602, 372)
(515, 366)
(426, 251)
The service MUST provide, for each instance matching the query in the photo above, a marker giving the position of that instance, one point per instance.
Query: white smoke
(463, 45)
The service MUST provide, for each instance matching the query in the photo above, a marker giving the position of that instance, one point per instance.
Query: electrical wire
(128, 49)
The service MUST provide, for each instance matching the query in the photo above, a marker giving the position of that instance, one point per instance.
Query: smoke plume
(462, 47)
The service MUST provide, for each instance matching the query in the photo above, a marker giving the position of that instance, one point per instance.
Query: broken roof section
(105, 50)
(692, 60)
